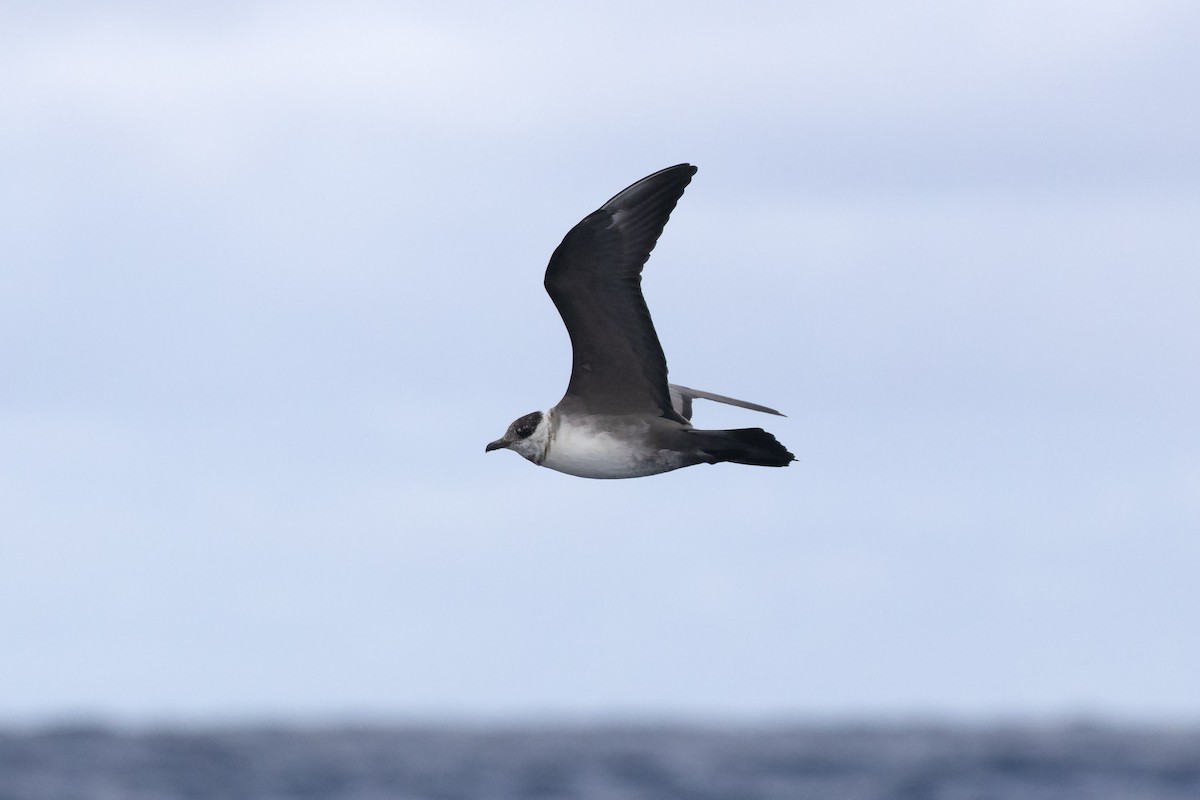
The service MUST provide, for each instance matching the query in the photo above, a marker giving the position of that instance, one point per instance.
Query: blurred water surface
(846, 762)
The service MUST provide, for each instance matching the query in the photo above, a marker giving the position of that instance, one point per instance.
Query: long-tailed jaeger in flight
(620, 418)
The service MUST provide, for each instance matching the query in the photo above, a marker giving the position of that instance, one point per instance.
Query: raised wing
(682, 396)
(594, 279)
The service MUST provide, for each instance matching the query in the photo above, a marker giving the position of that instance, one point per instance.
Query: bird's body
(619, 417)
(607, 447)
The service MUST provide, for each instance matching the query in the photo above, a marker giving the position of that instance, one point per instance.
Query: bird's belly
(589, 453)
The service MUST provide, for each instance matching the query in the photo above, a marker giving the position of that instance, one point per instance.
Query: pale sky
(270, 279)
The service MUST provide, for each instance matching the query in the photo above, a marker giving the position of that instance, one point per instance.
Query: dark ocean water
(842, 762)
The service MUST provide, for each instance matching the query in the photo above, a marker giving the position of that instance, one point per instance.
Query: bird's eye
(526, 425)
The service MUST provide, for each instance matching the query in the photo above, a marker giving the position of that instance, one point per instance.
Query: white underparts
(589, 450)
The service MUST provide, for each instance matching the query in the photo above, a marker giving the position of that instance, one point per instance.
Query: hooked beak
(496, 445)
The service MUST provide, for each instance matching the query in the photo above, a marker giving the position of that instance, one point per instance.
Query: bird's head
(529, 435)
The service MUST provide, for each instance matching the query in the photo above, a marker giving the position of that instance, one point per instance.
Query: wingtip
(671, 180)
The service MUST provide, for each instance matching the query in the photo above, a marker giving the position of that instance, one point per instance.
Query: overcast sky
(270, 278)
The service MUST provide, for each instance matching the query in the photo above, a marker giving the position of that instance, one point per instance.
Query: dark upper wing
(594, 279)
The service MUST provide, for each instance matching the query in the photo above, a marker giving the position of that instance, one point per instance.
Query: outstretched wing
(594, 279)
(682, 396)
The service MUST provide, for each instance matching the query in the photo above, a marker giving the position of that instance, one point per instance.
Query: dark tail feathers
(745, 446)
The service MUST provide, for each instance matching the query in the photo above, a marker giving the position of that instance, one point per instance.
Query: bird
(619, 417)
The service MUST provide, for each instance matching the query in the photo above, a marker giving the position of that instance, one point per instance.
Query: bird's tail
(744, 446)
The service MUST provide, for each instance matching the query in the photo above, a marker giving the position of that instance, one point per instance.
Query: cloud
(270, 279)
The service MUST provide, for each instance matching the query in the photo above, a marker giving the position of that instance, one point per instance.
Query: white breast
(583, 450)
